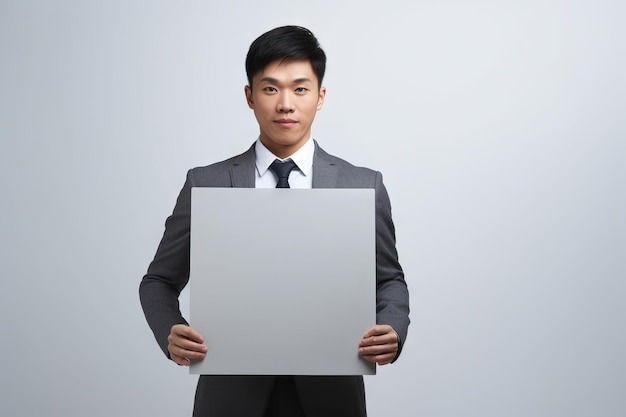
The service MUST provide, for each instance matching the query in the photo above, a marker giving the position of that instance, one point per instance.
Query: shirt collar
(303, 157)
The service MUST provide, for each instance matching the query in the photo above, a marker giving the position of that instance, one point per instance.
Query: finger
(180, 360)
(385, 339)
(380, 359)
(185, 348)
(378, 350)
(186, 344)
(182, 352)
(379, 329)
(178, 338)
(186, 332)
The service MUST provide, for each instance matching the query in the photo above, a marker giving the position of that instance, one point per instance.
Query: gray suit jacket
(169, 273)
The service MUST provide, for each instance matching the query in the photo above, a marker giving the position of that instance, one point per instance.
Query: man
(285, 68)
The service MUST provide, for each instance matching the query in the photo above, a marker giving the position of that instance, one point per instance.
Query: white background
(499, 127)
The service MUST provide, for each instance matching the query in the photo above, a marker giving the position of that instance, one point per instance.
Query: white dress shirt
(300, 177)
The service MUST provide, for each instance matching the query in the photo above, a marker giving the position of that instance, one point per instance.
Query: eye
(270, 90)
(301, 90)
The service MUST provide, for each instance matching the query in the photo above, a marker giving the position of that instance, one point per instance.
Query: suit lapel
(324, 169)
(242, 170)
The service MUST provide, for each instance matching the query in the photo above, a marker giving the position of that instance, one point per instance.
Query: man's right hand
(185, 345)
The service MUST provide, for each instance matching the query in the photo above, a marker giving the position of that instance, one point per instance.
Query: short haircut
(286, 43)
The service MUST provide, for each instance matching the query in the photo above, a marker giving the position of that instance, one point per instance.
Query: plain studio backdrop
(499, 128)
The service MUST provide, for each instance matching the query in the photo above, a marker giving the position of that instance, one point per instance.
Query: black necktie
(282, 170)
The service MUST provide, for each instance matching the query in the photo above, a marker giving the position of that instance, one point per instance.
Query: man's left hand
(379, 344)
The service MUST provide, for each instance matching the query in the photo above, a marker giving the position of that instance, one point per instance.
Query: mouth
(286, 123)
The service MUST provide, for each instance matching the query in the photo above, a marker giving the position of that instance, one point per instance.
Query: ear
(321, 97)
(248, 91)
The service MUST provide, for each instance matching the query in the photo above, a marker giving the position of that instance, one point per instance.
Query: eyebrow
(275, 81)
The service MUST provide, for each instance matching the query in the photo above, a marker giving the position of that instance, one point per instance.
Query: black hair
(287, 43)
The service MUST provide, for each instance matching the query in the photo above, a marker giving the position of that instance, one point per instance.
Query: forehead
(286, 72)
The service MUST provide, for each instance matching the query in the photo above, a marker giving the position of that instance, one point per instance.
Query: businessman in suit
(285, 68)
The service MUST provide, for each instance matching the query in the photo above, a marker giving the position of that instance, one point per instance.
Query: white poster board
(283, 281)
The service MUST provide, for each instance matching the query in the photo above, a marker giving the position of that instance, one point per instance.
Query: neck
(282, 151)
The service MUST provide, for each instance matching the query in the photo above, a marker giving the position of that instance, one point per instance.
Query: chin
(286, 142)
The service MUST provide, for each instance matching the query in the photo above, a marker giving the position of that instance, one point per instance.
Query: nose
(285, 104)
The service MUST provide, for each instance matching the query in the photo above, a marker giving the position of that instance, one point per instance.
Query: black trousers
(277, 396)
(284, 400)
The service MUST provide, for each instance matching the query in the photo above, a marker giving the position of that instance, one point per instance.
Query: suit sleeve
(392, 296)
(168, 273)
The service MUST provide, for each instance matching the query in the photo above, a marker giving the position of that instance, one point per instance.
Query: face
(285, 97)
